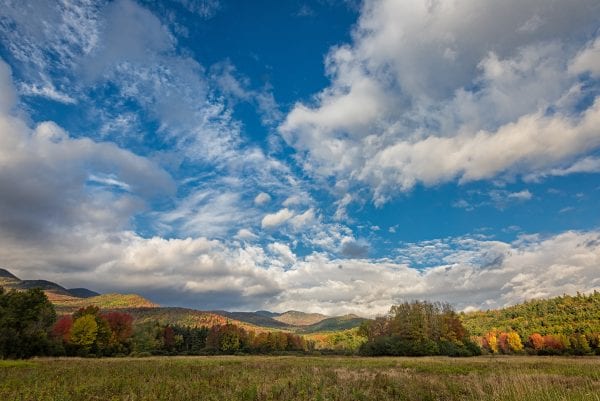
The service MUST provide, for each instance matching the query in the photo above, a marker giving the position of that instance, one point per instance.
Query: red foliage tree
(556, 342)
(62, 328)
(169, 338)
(121, 325)
(536, 341)
(503, 343)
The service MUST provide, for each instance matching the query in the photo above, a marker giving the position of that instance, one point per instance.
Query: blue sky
(329, 156)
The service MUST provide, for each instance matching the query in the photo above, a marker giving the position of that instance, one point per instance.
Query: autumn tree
(536, 341)
(121, 331)
(62, 328)
(418, 328)
(513, 341)
(84, 332)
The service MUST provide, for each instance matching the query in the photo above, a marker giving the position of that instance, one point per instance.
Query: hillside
(333, 324)
(254, 318)
(560, 315)
(186, 317)
(104, 301)
(296, 318)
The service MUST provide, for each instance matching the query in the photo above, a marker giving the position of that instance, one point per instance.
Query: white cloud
(282, 251)
(430, 92)
(521, 195)
(246, 234)
(262, 198)
(342, 205)
(588, 60)
(277, 219)
(47, 91)
(109, 180)
(301, 220)
(209, 212)
(586, 165)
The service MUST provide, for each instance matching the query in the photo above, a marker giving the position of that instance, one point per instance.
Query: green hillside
(333, 324)
(561, 315)
(104, 301)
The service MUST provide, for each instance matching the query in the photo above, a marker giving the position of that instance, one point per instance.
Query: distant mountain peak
(10, 281)
(6, 274)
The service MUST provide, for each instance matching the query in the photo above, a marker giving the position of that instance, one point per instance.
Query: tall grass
(302, 378)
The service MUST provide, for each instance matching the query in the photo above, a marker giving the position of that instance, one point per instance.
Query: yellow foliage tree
(490, 341)
(84, 331)
(514, 341)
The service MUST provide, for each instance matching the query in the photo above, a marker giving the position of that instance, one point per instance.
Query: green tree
(26, 319)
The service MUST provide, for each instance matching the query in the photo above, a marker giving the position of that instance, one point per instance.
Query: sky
(331, 156)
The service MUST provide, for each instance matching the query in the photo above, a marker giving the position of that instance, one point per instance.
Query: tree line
(566, 324)
(501, 342)
(29, 327)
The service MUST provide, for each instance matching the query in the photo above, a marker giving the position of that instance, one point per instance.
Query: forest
(567, 325)
(29, 327)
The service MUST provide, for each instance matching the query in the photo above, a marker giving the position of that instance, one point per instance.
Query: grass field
(302, 378)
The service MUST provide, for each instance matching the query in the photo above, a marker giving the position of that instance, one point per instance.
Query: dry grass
(302, 378)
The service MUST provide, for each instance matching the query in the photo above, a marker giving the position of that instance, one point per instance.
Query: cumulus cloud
(301, 220)
(262, 198)
(65, 191)
(435, 92)
(469, 273)
(356, 249)
(276, 219)
(283, 252)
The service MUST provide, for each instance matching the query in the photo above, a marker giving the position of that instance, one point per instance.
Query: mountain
(8, 275)
(69, 300)
(296, 318)
(267, 313)
(82, 292)
(53, 291)
(44, 285)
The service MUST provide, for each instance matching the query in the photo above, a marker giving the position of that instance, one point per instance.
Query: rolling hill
(69, 300)
(333, 324)
(296, 318)
(560, 315)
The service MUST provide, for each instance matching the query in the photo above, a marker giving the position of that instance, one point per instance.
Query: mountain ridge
(67, 301)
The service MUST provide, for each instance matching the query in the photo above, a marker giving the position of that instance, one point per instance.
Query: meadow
(291, 378)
